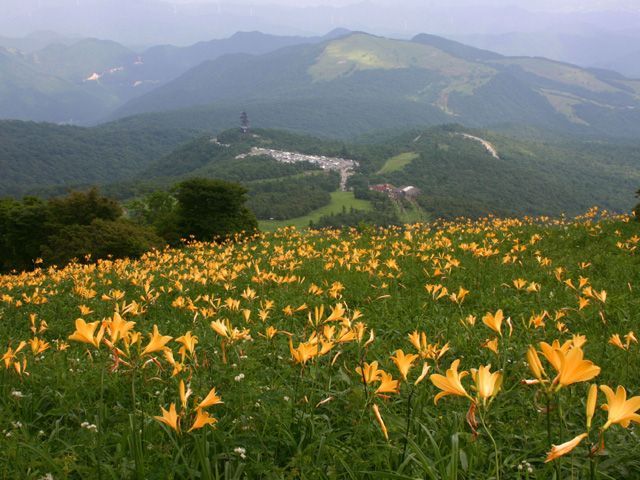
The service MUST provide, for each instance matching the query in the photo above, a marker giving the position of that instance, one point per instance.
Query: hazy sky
(547, 5)
(145, 22)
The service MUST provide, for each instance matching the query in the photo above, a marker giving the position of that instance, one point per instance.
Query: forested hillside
(350, 81)
(35, 156)
(456, 174)
(536, 172)
(84, 80)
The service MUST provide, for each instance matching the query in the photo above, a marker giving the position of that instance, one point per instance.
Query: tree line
(87, 226)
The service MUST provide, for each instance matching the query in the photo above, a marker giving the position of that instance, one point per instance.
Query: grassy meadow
(398, 162)
(339, 201)
(301, 355)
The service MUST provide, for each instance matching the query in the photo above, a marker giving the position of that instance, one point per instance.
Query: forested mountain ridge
(453, 166)
(34, 156)
(82, 81)
(428, 80)
(536, 172)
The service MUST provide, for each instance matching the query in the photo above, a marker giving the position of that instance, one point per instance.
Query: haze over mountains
(590, 33)
(83, 81)
(427, 80)
(149, 22)
(364, 82)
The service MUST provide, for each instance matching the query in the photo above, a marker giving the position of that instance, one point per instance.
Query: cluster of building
(408, 191)
(344, 166)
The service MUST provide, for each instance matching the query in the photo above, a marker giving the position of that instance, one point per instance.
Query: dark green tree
(24, 228)
(99, 240)
(212, 208)
(158, 210)
(61, 229)
(81, 208)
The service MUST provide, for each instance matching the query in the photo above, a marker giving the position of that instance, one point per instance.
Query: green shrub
(99, 240)
(212, 208)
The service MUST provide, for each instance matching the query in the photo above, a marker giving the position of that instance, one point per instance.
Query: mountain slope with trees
(536, 172)
(82, 81)
(40, 155)
(447, 81)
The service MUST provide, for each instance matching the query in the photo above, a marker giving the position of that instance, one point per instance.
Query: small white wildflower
(17, 394)
(16, 424)
(286, 399)
(240, 451)
(243, 357)
(47, 476)
(239, 378)
(8, 434)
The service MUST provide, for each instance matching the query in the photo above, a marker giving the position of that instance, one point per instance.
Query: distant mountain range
(619, 51)
(377, 82)
(340, 84)
(83, 81)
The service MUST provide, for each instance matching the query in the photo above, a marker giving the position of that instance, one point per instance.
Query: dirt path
(488, 146)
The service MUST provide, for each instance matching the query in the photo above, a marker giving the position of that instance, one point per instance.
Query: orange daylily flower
(376, 411)
(552, 352)
(387, 384)
(188, 342)
(404, 362)
(170, 417)
(118, 328)
(202, 420)
(157, 342)
(573, 368)
(621, 410)
(564, 448)
(370, 373)
(303, 352)
(494, 321)
(85, 332)
(211, 399)
(451, 383)
(487, 384)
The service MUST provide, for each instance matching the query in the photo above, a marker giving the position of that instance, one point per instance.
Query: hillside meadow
(461, 349)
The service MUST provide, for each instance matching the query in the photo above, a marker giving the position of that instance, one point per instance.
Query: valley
(336, 115)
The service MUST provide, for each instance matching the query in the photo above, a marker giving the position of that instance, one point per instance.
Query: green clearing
(398, 162)
(339, 200)
(411, 213)
(360, 52)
